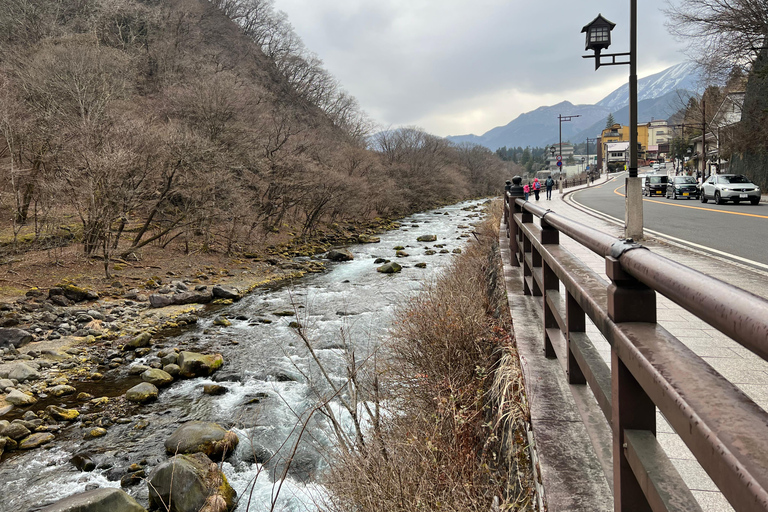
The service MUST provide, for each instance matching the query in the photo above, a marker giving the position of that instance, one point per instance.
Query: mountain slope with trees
(194, 126)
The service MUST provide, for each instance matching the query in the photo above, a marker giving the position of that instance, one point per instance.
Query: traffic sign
(559, 158)
(559, 163)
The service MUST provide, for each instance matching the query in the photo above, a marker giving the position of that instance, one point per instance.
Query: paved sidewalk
(731, 360)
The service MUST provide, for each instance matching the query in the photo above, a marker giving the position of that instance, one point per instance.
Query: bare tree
(721, 34)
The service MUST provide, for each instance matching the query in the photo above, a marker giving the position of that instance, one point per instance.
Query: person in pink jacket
(526, 190)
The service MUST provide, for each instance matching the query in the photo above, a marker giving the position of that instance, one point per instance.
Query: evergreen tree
(610, 121)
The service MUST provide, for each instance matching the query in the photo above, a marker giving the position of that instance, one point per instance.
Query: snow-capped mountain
(683, 76)
(659, 96)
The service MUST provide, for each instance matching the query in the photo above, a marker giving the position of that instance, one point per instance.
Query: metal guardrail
(723, 428)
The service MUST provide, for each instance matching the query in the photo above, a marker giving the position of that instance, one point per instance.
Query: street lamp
(599, 38)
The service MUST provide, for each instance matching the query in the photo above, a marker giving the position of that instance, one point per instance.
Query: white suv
(729, 187)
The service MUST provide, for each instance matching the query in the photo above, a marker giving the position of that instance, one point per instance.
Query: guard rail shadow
(723, 428)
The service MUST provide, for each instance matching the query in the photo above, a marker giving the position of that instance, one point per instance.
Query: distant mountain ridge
(659, 96)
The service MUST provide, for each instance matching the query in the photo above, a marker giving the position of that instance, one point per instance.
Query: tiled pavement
(731, 360)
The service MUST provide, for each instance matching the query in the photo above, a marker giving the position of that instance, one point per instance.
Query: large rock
(73, 292)
(142, 393)
(22, 372)
(226, 292)
(157, 300)
(191, 483)
(202, 437)
(427, 238)
(192, 364)
(16, 397)
(97, 500)
(340, 255)
(157, 377)
(14, 338)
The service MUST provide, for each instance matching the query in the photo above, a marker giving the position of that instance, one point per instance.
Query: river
(270, 379)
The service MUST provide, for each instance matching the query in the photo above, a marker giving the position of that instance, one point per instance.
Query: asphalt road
(731, 230)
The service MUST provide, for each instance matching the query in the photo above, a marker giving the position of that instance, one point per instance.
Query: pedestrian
(536, 187)
(526, 190)
(549, 184)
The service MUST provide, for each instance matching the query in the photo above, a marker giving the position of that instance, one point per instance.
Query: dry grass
(455, 435)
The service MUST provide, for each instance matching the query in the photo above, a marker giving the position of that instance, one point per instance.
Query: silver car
(729, 187)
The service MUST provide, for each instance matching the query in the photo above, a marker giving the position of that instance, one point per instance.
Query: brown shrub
(454, 438)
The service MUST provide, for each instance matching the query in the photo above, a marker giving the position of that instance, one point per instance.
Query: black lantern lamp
(599, 38)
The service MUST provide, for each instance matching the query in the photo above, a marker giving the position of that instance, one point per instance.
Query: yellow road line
(616, 191)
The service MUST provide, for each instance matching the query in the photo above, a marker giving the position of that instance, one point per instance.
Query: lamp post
(588, 141)
(599, 38)
(561, 118)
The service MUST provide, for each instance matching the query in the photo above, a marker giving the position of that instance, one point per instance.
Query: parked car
(729, 187)
(656, 167)
(683, 186)
(655, 185)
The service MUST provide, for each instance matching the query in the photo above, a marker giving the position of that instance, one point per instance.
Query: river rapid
(272, 384)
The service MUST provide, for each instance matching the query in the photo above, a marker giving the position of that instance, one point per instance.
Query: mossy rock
(389, 268)
(398, 248)
(427, 238)
(421, 265)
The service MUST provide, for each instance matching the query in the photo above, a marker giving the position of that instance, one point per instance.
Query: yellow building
(619, 133)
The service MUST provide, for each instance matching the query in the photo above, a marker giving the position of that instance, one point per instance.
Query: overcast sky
(455, 67)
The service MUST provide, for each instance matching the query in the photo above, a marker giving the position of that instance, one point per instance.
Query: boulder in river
(157, 377)
(202, 437)
(340, 255)
(193, 364)
(97, 500)
(427, 238)
(190, 482)
(142, 393)
(389, 268)
(14, 337)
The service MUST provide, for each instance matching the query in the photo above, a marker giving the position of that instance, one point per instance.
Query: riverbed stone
(202, 437)
(97, 500)
(15, 430)
(191, 297)
(427, 238)
(157, 377)
(16, 397)
(222, 321)
(93, 433)
(142, 340)
(23, 372)
(193, 364)
(191, 482)
(11, 337)
(389, 268)
(142, 393)
(62, 414)
(172, 369)
(35, 440)
(61, 390)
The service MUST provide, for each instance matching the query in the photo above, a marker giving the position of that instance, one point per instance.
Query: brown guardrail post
(575, 320)
(549, 235)
(507, 186)
(515, 191)
(527, 246)
(628, 301)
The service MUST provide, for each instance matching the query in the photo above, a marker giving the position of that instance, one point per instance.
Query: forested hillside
(195, 126)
